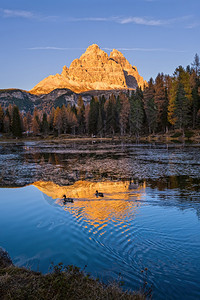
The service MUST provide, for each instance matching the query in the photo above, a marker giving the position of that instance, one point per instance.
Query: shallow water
(154, 225)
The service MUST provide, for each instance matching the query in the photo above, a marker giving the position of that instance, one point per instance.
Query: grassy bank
(62, 283)
(172, 136)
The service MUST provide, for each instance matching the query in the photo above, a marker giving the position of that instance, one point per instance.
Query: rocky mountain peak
(92, 48)
(94, 70)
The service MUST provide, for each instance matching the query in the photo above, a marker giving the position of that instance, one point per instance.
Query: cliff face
(94, 70)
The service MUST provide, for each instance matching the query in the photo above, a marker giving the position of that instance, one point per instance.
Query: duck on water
(65, 199)
(98, 194)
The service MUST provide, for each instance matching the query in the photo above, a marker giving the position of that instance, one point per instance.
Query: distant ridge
(94, 70)
(57, 97)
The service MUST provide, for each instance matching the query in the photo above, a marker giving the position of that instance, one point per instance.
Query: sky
(37, 38)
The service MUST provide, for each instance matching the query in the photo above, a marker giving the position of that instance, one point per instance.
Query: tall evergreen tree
(149, 106)
(16, 123)
(93, 116)
(181, 108)
(100, 125)
(160, 101)
(124, 116)
(183, 78)
(151, 113)
(81, 115)
(136, 113)
(196, 64)
(111, 115)
(45, 125)
(50, 119)
(87, 113)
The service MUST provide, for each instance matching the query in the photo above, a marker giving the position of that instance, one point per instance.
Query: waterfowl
(99, 194)
(65, 199)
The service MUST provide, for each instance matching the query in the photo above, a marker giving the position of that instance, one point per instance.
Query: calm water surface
(154, 223)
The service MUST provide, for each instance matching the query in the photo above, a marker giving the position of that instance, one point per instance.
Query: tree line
(168, 102)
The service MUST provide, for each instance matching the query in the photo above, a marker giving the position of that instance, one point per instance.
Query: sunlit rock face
(94, 70)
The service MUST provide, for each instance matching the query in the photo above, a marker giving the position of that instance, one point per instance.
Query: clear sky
(37, 38)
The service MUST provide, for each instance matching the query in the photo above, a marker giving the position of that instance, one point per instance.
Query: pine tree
(111, 115)
(136, 113)
(160, 101)
(100, 123)
(149, 106)
(101, 117)
(151, 113)
(196, 64)
(16, 123)
(181, 108)
(93, 116)
(45, 125)
(81, 115)
(124, 116)
(86, 114)
(50, 119)
(183, 78)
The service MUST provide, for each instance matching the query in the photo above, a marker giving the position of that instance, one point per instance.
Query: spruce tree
(151, 113)
(136, 113)
(160, 101)
(181, 77)
(196, 64)
(124, 115)
(45, 125)
(93, 116)
(181, 108)
(81, 115)
(16, 123)
(111, 115)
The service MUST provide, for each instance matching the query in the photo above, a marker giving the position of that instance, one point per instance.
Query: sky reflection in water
(155, 225)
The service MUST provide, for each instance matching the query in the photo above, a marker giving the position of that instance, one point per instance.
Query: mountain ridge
(57, 97)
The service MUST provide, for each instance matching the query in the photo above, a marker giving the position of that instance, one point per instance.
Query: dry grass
(63, 283)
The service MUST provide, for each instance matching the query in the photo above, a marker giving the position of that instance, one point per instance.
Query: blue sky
(39, 37)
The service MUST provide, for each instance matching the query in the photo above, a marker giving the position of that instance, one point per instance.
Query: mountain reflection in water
(118, 203)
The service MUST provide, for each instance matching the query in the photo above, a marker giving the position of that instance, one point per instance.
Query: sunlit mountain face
(94, 70)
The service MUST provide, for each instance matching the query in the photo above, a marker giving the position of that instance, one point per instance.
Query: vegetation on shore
(62, 283)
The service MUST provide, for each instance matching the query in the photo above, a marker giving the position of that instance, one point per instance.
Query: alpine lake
(146, 228)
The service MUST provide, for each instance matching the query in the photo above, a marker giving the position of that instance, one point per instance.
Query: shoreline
(170, 137)
(63, 282)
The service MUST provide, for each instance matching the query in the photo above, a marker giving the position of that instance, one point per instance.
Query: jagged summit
(94, 70)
